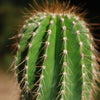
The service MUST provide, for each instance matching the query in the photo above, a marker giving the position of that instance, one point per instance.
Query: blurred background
(11, 15)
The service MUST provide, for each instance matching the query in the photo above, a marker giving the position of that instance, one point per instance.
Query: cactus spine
(55, 59)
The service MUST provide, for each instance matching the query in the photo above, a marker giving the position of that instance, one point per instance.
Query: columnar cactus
(55, 58)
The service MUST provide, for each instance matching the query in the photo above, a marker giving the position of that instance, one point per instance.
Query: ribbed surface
(54, 58)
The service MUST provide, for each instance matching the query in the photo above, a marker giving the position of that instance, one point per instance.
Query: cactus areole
(55, 59)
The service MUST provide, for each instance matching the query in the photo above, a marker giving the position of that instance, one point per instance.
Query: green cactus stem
(55, 58)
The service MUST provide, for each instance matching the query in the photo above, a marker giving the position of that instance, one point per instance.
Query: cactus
(55, 58)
